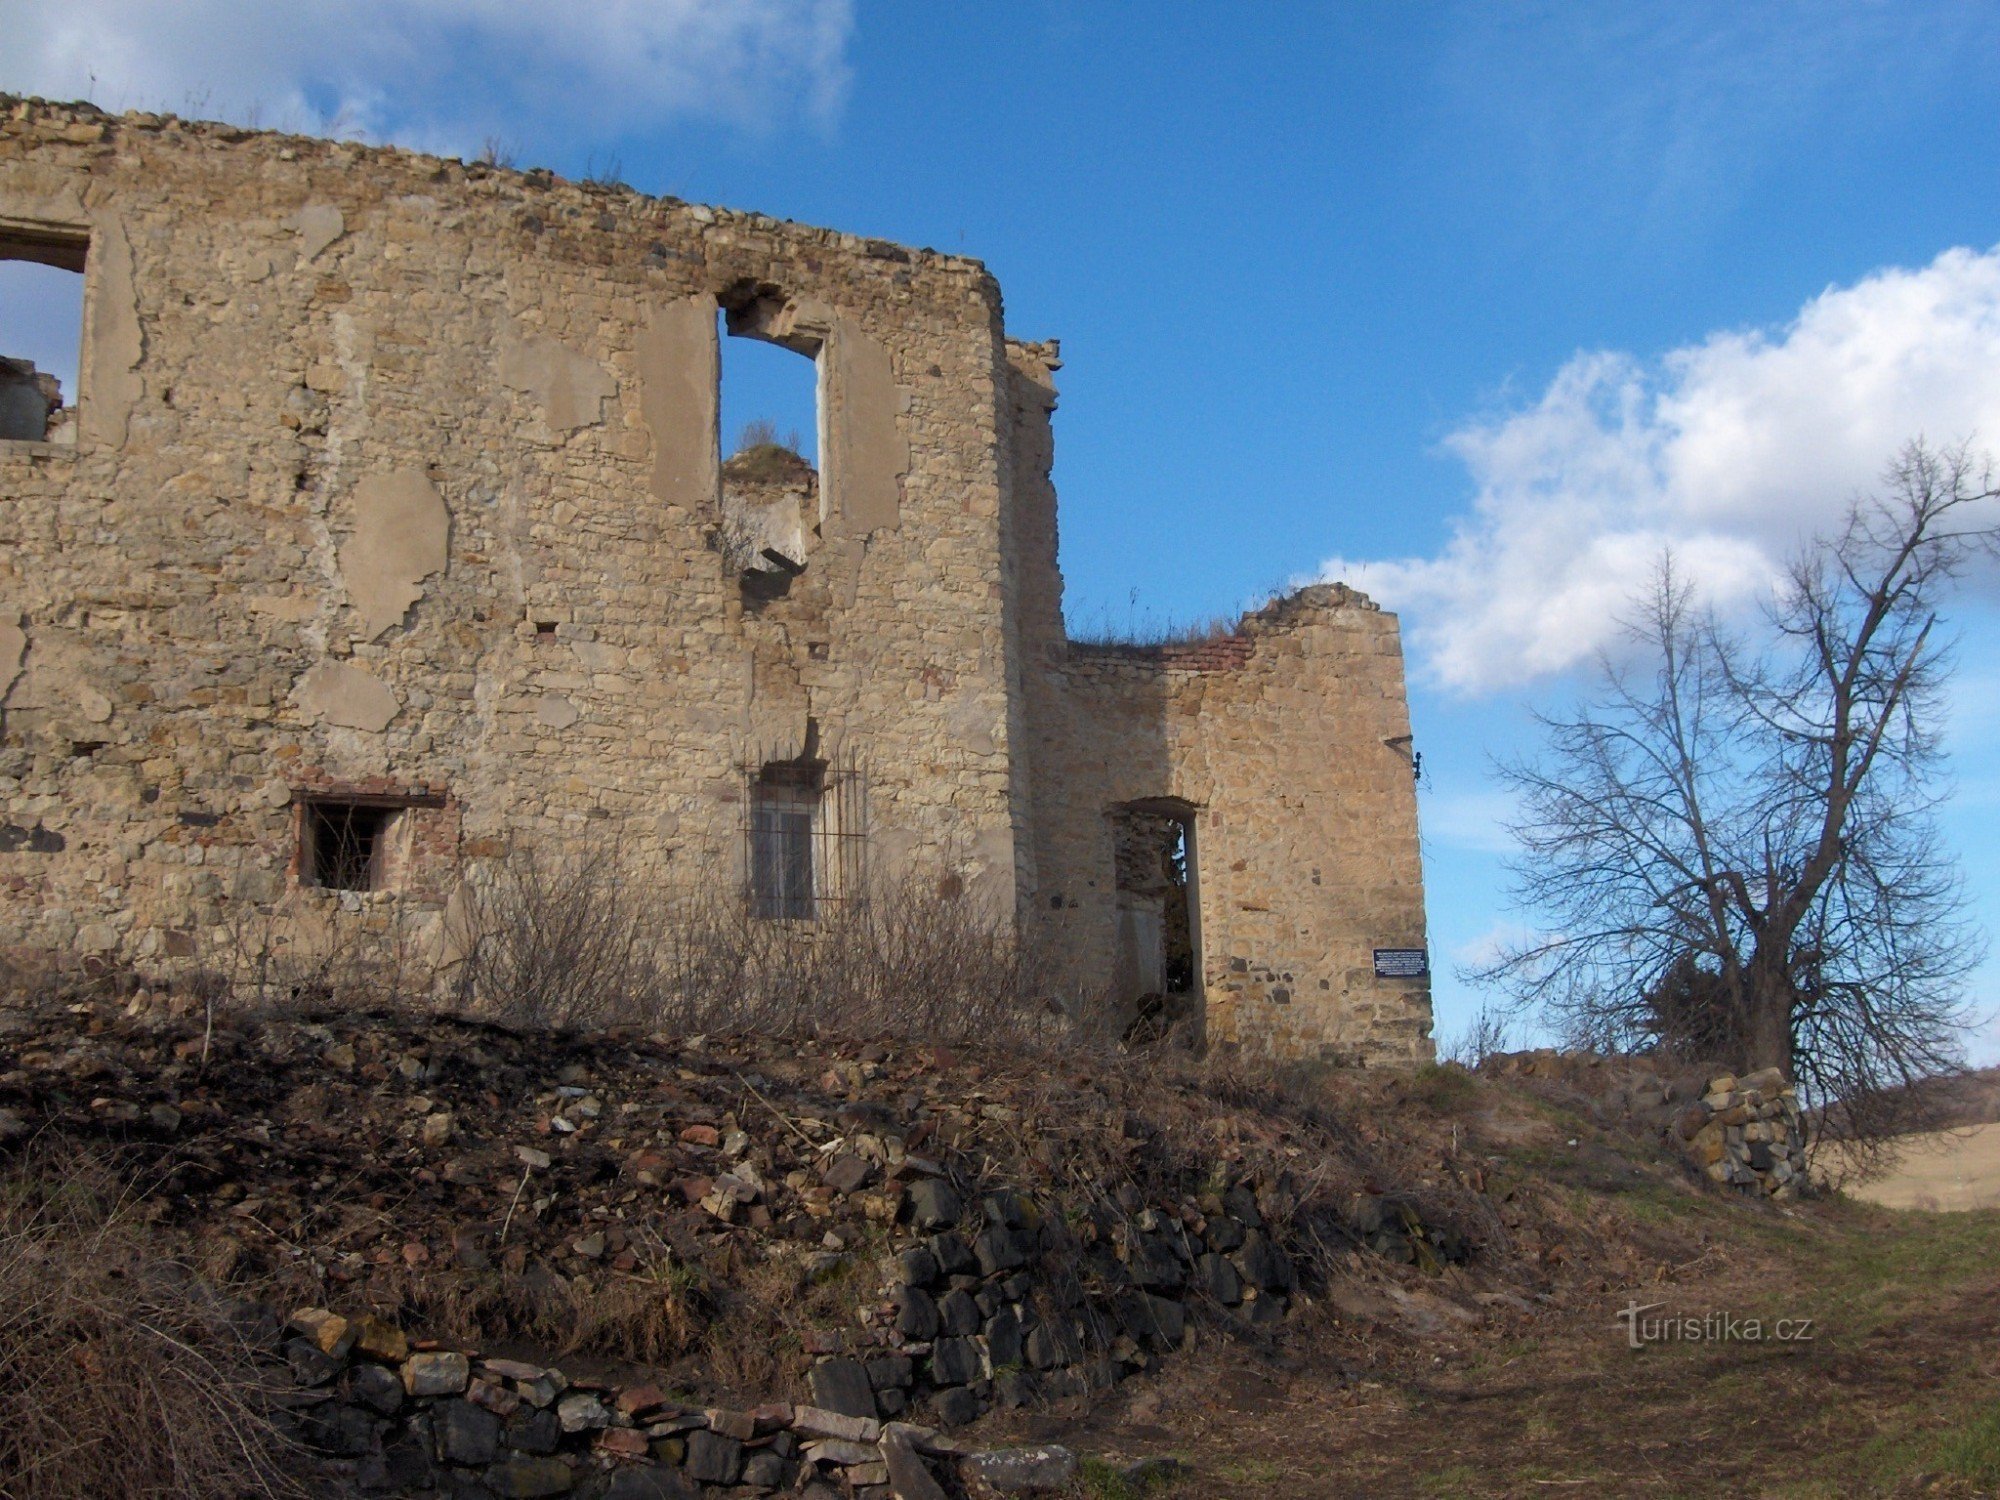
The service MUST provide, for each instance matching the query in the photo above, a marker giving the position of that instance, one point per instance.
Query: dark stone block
(768, 1470)
(257, 1324)
(956, 1407)
(308, 1365)
(954, 1255)
(1217, 1277)
(631, 1483)
(1154, 1264)
(1264, 1311)
(466, 1434)
(917, 1314)
(1048, 1347)
(1240, 1203)
(890, 1372)
(917, 1266)
(1166, 1320)
(457, 1484)
(402, 1466)
(955, 1362)
(1003, 1338)
(1264, 1265)
(340, 1428)
(713, 1458)
(932, 1203)
(1014, 1388)
(532, 1431)
(530, 1478)
(848, 1173)
(958, 1315)
(378, 1389)
(1006, 1208)
(1002, 1250)
(841, 1385)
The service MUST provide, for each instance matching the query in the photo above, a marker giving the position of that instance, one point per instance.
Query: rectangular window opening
(769, 410)
(352, 846)
(784, 823)
(41, 333)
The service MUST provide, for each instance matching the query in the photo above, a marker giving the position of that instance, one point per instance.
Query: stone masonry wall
(1285, 744)
(394, 481)
(397, 471)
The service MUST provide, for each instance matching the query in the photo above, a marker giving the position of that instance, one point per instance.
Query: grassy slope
(1507, 1377)
(1897, 1393)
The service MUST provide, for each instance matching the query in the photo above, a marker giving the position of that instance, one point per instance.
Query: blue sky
(1474, 305)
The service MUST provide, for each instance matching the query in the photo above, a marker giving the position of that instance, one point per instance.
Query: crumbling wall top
(1227, 650)
(79, 123)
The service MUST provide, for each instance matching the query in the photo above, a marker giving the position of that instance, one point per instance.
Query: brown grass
(122, 1377)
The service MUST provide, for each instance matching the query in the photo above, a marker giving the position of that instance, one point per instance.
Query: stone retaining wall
(394, 1417)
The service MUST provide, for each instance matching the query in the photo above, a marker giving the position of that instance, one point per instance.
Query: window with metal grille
(784, 813)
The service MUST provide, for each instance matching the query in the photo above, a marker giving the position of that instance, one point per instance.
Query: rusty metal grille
(805, 835)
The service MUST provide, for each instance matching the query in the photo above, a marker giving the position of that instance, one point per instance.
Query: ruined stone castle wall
(1286, 749)
(390, 512)
(398, 477)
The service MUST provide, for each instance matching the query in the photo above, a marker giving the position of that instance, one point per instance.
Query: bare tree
(1734, 843)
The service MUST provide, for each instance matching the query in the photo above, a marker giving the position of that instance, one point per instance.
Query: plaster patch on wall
(869, 454)
(13, 650)
(571, 387)
(679, 371)
(557, 713)
(319, 225)
(42, 196)
(349, 696)
(114, 344)
(401, 534)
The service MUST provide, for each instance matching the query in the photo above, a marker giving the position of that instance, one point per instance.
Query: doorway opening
(1157, 978)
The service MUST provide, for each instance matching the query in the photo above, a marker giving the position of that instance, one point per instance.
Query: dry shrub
(559, 941)
(304, 955)
(569, 942)
(123, 1377)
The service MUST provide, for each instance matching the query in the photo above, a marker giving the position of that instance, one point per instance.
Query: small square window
(350, 846)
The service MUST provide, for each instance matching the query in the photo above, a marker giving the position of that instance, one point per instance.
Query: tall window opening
(805, 833)
(784, 827)
(41, 334)
(770, 416)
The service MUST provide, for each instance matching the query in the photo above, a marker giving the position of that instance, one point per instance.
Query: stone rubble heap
(397, 1418)
(877, 1171)
(1746, 1133)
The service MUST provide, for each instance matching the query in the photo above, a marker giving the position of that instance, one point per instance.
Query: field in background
(1944, 1169)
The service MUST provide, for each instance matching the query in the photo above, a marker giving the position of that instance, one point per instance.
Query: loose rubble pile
(1745, 1133)
(400, 1418)
(959, 1259)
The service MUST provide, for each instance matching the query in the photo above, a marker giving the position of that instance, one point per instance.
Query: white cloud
(439, 73)
(1730, 451)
